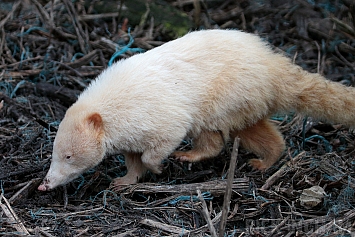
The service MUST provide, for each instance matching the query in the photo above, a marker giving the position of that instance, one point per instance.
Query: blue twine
(120, 159)
(108, 31)
(34, 214)
(13, 93)
(42, 76)
(182, 228)
(281, 117)
(233, 233)
(125, 49)
(206, 196)
(7, 87)
(55, 123)
(328, 7)
(224, 175)
(328, 147)
(291, 49)
(343, 200)
(79, 186)
(32, 29)
(15, 50)
(104, 199)
(171, 182)
(73, 42)
(23, 57)
(329, 177)
(261, 198)
(76, 55)
(295, 153)
(333, 44)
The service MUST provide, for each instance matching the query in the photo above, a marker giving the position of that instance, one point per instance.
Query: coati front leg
(135, 171)
(153, 156)
(264, 140)
(208, 144)
(138, 163)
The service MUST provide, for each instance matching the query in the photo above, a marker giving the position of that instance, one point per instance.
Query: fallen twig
(215, 187)
(228, 194)
(206, 214)
(165, 227)
(10, 213)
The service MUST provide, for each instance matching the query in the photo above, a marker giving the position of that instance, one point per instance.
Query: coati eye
(68, 157)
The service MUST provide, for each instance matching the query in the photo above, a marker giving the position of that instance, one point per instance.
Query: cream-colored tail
(323, 99)
(307, 93)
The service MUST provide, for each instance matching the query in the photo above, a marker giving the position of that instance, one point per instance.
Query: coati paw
(120, 183)
(156, 169)
(159, 169)
(182, 156)
(258, 164)
(117, 188)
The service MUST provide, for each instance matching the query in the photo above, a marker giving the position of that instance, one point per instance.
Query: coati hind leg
(135, 170)
(208, 144)
(264, 140)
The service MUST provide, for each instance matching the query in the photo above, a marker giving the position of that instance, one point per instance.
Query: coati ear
(95, 121)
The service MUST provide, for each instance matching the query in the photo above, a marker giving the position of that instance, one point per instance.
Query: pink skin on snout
(42, 187)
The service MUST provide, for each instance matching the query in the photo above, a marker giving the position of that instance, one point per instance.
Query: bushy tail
(325, 100)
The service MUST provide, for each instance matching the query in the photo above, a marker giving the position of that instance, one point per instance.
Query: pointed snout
(58, 174)
(50, 182)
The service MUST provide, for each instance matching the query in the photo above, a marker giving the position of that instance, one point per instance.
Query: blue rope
(125, 49)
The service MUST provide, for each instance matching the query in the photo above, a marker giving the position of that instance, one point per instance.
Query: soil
(51, 50)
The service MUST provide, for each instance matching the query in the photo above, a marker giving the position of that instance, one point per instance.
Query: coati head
(78, 146)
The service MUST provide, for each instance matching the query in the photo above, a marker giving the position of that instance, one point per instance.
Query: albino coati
(209, 85)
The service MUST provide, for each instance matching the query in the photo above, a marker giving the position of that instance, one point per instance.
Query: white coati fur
(202, 85)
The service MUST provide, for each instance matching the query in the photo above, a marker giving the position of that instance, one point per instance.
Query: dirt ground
(51, 50)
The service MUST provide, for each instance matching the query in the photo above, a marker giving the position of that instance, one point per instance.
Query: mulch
(51, 50)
